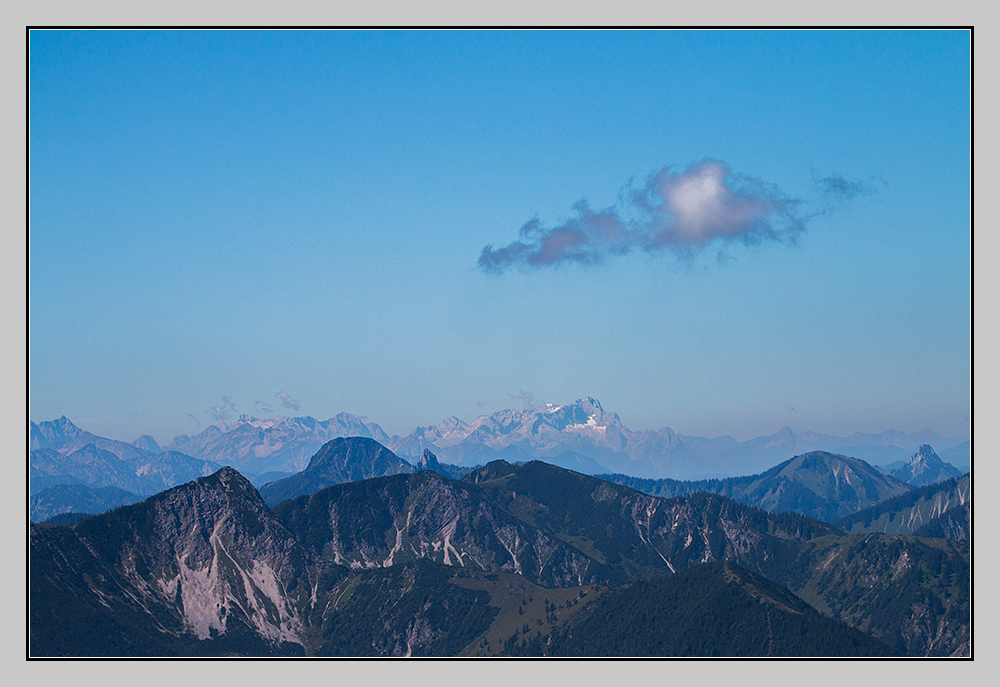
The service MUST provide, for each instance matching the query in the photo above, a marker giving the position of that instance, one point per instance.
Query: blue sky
(217, 218)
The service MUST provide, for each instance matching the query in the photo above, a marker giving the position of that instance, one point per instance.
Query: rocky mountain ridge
(818, 484)
(919, 510)
(208, 567)
(925, 467)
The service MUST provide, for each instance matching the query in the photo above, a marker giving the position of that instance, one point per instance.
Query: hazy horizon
(720, 232)
(231, 421)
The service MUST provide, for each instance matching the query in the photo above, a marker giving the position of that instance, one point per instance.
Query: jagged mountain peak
(428, 461)
(52, 433)
(226, 480)
(925, 467)
(228, 474)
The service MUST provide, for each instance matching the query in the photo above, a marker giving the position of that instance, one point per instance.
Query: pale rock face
(214, 567)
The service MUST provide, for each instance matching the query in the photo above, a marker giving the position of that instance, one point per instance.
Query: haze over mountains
(581, 436)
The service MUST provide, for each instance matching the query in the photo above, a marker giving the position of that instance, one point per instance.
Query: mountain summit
(925, 467)
(345, 459)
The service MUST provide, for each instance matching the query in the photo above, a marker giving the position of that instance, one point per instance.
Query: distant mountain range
(401, 565)
(63, 454)
(586, 429)
(581, 436)
(72, 470)
(280, 444)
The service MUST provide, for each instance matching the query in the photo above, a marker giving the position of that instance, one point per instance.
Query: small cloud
(221, 413)
(194, 419)
(838, 188)
(527, 398)
(287, 400)
(480, 404)
(263, 407)
(681, 212)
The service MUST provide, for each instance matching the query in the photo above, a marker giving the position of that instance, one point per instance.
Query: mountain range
(71, 470)
(279, 444)
(581, 436)
(207, 568)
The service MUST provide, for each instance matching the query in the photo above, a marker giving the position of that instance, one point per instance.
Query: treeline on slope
(403, 610)
(913, 594)
(68, 519)
(936, 510)
(711, 610)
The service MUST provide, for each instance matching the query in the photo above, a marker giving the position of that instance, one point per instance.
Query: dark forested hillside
(710, 610)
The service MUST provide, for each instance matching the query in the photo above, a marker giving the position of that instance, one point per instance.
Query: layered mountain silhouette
(818, 484)
(581, 436)
(62, 455)
(206, 568)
